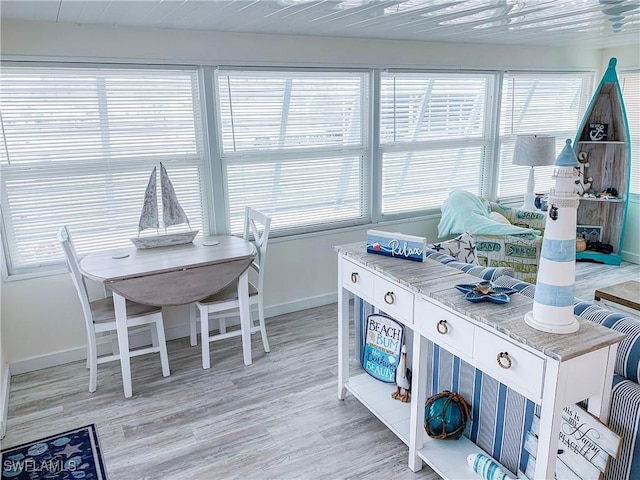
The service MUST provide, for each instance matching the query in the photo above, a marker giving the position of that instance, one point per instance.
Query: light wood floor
(276, 419)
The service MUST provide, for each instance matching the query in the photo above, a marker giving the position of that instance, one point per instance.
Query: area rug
(67, 456)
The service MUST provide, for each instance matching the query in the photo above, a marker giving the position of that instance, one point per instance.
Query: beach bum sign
(382, 345)
(396, 245)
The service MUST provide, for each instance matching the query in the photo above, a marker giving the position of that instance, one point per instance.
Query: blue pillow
(465, 212)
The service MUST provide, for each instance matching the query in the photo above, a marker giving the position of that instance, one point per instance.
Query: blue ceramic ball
(444, 417)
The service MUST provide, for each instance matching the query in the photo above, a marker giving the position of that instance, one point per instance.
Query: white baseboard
(171, 333)
(631, 257)
(5, 380)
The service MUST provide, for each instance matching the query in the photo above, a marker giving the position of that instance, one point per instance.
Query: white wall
(4, 373)
(42, 316)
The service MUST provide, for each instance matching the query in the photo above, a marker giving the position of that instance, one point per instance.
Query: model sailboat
(172, 214)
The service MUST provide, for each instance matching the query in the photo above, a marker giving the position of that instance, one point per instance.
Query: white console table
(552, 370)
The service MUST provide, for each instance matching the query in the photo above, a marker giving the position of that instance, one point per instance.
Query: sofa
(517, 412)
(500, 236)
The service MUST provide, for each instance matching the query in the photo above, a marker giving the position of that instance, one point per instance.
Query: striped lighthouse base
(565, 324)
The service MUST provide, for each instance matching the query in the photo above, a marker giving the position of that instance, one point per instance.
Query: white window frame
(483, 142)
(516, 177)
(632, 106)
(214, 185)
(285, 155)
(129, 166)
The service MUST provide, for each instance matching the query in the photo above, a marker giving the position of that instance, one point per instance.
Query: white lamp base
(530, 196)
(572, 326)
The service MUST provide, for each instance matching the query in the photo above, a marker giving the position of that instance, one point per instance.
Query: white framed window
(435, 136)
(537, 103)
(78, 146)
(630, 86)
(294, 144)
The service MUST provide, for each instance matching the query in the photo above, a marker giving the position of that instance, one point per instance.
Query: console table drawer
(508, 363)
(357, 279)
(393, 299)
(443, 327)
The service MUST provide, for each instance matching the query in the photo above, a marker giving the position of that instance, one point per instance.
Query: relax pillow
(465, 212)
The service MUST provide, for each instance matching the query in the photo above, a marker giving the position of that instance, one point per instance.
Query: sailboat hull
(164, 240)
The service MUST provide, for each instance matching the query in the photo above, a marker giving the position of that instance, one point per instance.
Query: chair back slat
(257, 226)
(78, 280)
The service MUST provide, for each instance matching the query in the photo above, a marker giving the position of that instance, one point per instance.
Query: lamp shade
(534, 150)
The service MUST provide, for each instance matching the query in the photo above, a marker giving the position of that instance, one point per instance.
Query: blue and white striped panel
(523, 288)
(628, 358)
(486, 273)
(500, 417)
(439, 256)
(624, 419)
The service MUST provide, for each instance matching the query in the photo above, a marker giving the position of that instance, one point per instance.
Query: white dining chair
(225, 304)
(100, 318)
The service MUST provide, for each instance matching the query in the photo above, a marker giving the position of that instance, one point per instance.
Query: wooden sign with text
(584, 446)
(382, 346)
(397, 245)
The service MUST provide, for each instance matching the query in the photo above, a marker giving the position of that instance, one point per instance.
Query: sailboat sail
(172, 212)
(149, 215)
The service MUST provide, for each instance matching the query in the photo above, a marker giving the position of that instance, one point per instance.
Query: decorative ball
(581, 244)
(445, 415)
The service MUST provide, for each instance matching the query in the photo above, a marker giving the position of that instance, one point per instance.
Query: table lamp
(533, 151)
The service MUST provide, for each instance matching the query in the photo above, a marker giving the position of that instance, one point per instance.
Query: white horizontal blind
(630, 86)
(78, 146)
(434, 136)
(538, 103)
(293, 145)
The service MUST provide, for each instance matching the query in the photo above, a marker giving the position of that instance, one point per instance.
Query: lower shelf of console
(448, 458)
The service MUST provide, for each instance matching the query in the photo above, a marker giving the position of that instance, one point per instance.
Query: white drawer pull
(504, 356)
(354, 277)
(442, 327)
(389, 298)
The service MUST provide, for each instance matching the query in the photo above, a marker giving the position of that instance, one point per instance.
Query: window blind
(630, 86)
(293, 144)
(538, 103)
(434, 137)
(78, 146)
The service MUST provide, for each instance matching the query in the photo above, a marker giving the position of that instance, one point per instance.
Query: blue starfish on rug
(66, 456)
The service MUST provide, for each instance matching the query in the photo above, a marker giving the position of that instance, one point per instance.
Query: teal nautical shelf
(604, 151)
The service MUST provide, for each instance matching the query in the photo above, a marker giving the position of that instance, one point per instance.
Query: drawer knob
(389, 298)
(504, 360)
(354, 277)
(442, 327)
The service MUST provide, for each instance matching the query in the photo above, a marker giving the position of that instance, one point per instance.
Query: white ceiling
(590, 23)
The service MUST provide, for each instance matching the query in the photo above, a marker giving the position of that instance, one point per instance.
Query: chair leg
(222, 325)
(154, 337)
(92, 360)
(263, 328)
(204, 337)
(162, 343)
(193, 336)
